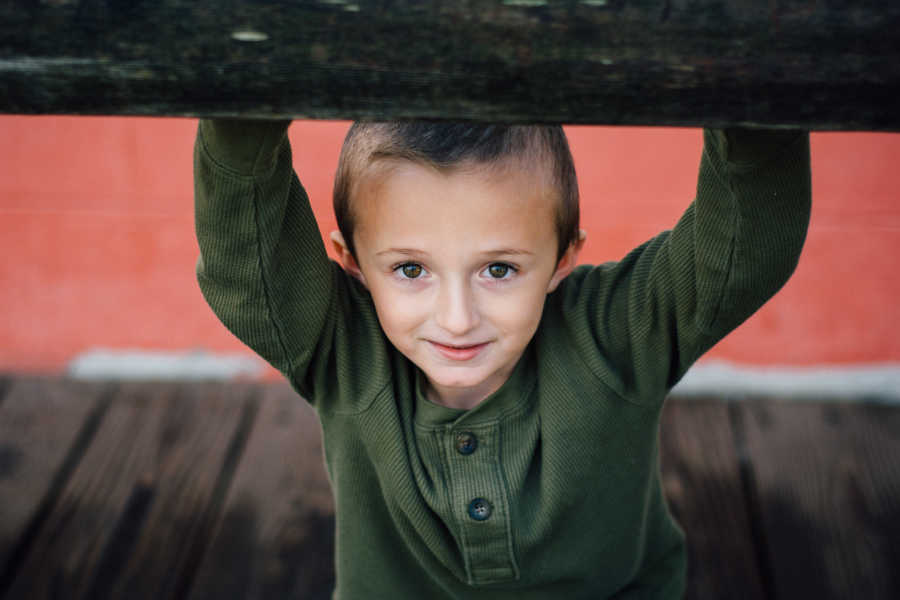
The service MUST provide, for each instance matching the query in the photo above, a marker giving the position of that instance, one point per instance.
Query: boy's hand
(749, 146)
(239, 144)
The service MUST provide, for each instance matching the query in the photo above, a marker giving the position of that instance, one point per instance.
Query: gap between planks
(128, 536)
(46, 505)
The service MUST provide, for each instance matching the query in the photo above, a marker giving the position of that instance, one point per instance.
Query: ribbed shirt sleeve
(263, 268)
(642, 321)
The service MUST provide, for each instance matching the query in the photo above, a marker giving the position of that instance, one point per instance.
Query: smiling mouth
(460, 353)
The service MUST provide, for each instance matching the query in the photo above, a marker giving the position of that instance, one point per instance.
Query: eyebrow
(406, 251)
(508, 252)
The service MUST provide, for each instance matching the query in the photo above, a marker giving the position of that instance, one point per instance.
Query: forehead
(482, 205)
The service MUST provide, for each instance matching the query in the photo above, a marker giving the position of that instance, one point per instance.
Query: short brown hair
(446, 146)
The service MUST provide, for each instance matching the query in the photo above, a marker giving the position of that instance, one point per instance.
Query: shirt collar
(512, 396)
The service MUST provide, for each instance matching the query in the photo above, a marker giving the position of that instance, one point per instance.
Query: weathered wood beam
(818, 64)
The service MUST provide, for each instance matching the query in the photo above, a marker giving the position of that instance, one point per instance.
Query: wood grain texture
(702, 482)
(41, 420)
(796, 63)
(135, 514)
(276, 535)
(218, 490)
(828, 477)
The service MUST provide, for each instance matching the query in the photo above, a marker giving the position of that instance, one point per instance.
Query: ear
(568, 261)
(346, 257)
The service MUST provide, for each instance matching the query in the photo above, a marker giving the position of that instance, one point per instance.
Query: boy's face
(458, 266)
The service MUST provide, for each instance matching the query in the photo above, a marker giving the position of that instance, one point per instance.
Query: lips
(459, 352)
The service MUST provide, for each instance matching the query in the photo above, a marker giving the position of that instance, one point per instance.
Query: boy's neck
(458, 398)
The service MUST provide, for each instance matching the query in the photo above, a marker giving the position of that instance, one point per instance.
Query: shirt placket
(479, 502)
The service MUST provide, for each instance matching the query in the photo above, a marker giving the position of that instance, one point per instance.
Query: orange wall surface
(96, 235)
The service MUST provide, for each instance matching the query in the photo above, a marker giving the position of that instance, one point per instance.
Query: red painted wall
(96, 234)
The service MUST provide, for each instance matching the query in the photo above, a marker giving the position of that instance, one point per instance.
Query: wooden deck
(217, 490)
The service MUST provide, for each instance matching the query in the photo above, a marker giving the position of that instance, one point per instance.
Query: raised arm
(263, 268)
(668, 301)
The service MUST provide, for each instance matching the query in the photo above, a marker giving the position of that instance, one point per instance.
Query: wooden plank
(829, 482)
(134, 518)
(799, 63)
(276, 535)
(5, 383)
(702, 482)
(44, 426)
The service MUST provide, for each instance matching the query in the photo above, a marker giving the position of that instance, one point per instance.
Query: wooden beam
(795, 63)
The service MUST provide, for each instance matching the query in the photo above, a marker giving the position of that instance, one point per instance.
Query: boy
(489, 411)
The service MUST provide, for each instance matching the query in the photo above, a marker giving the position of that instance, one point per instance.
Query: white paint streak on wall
(102, 363)
(878, 382)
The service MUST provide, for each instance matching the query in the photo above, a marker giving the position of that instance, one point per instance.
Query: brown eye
(498, 270)
(411, 270)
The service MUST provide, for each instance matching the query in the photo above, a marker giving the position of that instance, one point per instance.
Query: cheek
(518, 314)
(397, 313)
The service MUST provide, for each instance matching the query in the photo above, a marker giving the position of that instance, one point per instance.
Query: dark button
(466, 442)
(479, 509)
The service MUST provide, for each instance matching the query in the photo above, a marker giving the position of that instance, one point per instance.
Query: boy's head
(449, 147)
(459, 232)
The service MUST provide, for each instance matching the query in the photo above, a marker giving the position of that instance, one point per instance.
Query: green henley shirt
(550, 488)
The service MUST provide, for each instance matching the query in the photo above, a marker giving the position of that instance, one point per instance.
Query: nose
(456, 311)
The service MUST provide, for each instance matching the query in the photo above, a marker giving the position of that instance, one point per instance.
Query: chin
(455, 381)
